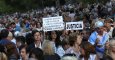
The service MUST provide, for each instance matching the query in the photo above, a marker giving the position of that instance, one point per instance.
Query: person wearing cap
(98, 38)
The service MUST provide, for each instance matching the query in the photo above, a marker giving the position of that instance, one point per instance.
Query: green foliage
(9, 6)
(4, 7)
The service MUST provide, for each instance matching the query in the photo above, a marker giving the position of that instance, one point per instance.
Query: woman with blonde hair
(49, 52)
(47, 47)
(3, 56)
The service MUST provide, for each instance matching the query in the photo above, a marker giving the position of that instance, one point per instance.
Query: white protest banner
(53, 23)
(74, 25)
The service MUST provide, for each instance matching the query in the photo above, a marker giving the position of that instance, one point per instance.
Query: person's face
(79, 39)
(18, 43)
(13, 26)
(100, 30)
(37, 36)
(66, 47)
(65, 32)
(107, 24)
(38, 24)
(53, 35)
(23, 53)
(16, 20)
(105, 29)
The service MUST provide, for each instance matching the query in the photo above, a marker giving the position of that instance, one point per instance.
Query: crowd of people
(22, 36)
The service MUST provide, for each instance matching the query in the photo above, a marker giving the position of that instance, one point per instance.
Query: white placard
(53, 23)
(74, 25)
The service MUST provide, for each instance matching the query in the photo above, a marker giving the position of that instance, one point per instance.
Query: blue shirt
(4, 42)
(93, 38)
(27, 25)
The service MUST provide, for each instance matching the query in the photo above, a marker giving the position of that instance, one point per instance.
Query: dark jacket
(51, 57)
(30, 47)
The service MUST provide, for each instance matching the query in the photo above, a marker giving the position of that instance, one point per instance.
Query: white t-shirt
(60, 51)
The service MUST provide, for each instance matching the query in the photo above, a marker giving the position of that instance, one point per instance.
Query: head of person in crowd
(9, 28)
(108, 23)
(29, 38)
(11, 51)
(38, 25)
(10, 36)
(54, 37)
(36, 35)
(112, 48)
(65, 32)
(23, 52)
(16, 20)
(105, 29)
(75, 39)
(37, 41)
(69, 57)
(86, 50)
(85, 35)
(33, 25)
(13, 25)
(36, 54)
(65, 44)
(99, 27)
(47, 48)
(5, 34)
(49, 51)
(3, 56)
(19, 41)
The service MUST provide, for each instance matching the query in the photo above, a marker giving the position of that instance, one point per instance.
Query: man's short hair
(4, 33)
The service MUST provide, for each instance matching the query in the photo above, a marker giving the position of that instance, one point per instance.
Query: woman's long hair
(57, 40)
(88, 48)
(47, 48)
